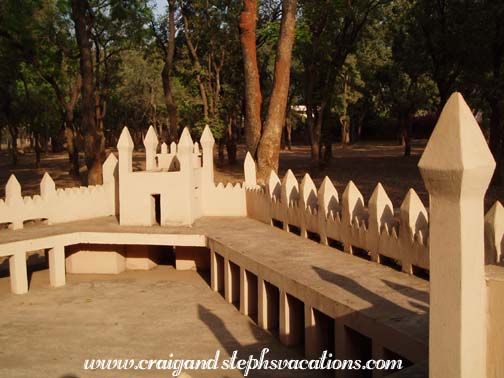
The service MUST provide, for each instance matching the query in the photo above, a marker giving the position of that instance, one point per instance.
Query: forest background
(263, 73)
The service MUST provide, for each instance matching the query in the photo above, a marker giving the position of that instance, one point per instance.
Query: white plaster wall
(59, 206)
(136, 205)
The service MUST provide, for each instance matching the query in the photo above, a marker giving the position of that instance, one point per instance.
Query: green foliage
(136, 100)
(373, 61)
(216, 125)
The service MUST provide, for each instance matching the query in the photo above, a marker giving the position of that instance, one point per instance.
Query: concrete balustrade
(320, 215)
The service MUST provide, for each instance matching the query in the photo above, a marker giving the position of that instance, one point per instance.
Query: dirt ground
(365, 163)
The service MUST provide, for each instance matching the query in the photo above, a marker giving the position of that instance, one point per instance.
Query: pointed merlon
(12, 190)
(456, 145)
(109, 168)
(413, 214)
(249, 168)
(110, 162)
(290, 188)
(274, 185)
(328, 197)
(185, 141)
(196, 148)
(125, 140)
(47, 186)
(308, 192)
(380, 206)
(151, 138)
(494, 232)
(207, 140)
(164, 148)
(353, 203)
(173, 148)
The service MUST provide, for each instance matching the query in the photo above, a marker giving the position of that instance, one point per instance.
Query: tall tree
(253, 96)
(169, 50)
(267, 140)
(94, 141)
(269, 145)
(211, 42)
(44, 40)
(485, 70)
(334, 29)
(197, 65)
(438, 29)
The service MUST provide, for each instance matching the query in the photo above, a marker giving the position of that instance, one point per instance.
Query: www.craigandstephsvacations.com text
(251, 362)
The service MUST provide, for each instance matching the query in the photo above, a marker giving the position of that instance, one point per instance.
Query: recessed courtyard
(134, 315)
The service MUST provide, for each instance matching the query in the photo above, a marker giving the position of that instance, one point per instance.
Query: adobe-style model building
(177, 187)
(311, 288)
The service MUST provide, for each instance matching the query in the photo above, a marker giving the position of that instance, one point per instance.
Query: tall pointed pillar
(150, 143)
(14, 200)
(185, 155)
(125, 147)
(456, 167)
(249, 169)
(207, 142)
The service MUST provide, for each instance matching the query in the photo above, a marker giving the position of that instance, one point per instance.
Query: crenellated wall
(60, 205)
(182, 181)
(346, 220)
(377, 228)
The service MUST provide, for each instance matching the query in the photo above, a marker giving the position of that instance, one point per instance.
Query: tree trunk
(73, 151)
(216, 69)
(171, 106)
(345, 119)
(37, 148)
(93, 143)
(327, 152)
(316, 133)
(210, 86)
(269, 145)
(345, 131)
(68, 130)
(253, 97)
(406, 134)
(14, 132)
(71, 139)
(231, 140)
(221, 146)
(197, 66)
(444, 93)
(496, 140)
(288, 132)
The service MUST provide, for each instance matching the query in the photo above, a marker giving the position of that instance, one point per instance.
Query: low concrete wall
(95, 258)
(495, 329)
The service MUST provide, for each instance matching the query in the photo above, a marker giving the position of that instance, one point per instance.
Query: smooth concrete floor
(49, 332)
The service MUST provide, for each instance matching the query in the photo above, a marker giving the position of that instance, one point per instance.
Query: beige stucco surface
(142, 314)
(378, 301)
